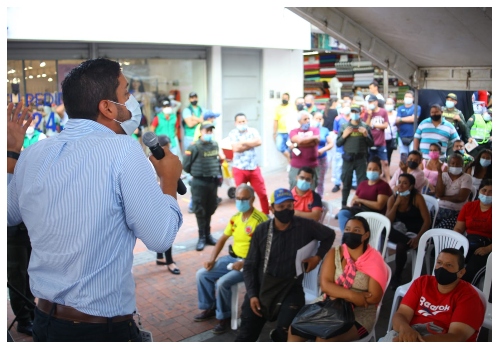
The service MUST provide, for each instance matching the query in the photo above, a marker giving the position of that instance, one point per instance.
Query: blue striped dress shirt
(85, 196)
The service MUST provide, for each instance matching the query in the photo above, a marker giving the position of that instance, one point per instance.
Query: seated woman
(475, 218)
(410, 167)
(430, 167)
(371, 194)
(453, 189)
(408, 213)
(480, 168)
(365, 290)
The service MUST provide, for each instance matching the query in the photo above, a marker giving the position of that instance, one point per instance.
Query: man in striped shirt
(434, 130)
(106, 196)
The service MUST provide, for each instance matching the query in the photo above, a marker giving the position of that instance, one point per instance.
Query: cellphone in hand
(404, 157)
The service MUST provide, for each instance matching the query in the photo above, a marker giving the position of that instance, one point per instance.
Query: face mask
(303, 185)
(167, 110)
(450, 104)
(308, 105)
(434, 154)
(285, 102)
(371, 106)
(408, 100)
(305, 126)
(412, 164)
(372, 175)
(461, 151)
(208, 137)
(194, 103)
(346, 110)
(316, 124)
(445, 277)
(242, 127)
(351, 240)
(134, 108)
(486, 117)
(354, 116)
(243, 205)
(484, 198)
(484, 162)
(455, 170)
(30, 130)
(285, 215)
(478, 109)
(389, 108)
(405, 193)
(436, 117)
(300, 107)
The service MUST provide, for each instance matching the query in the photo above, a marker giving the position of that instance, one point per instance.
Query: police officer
(455, 116)
(480, 129)
(201, 160)
(356, 138)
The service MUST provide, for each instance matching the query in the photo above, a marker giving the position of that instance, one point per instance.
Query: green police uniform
(480, 131)
(354, 158)
(201, 160)
(462, 128)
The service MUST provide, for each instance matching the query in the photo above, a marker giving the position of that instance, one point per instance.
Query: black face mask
(194, 103)
(300, 107)
(436, 117)
(352, 240)
(412, 164)
(285, 215)
(285, 102)
(445, 277)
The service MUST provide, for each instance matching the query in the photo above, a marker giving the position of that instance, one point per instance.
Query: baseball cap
(165, 103)
(355, 108)
(193, 94)
(207, 125)
(209, 114)
(452, 96)
(372, 98)
(280, 195)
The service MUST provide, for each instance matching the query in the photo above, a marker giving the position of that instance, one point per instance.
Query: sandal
(175, 271)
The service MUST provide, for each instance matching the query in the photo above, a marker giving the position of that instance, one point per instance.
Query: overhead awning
(427, 48)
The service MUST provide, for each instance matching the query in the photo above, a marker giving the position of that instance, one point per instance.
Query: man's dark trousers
(358, 163)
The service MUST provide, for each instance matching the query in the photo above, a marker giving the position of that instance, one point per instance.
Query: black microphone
(151, 140)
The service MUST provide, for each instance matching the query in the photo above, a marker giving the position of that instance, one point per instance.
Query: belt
(68, 313)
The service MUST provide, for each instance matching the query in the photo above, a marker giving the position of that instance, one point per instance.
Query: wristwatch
(11, 154)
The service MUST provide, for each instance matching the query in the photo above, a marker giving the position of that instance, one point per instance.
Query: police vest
(481, 129)
(449, 115)
(206, 163)
(28, 142)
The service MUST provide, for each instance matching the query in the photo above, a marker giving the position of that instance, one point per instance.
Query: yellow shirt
(242, 231)
(281, 116)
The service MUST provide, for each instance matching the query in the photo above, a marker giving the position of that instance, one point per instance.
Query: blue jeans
(50, 329)
(281, 139)
(337, 168)
(214, 287)
(344, 216)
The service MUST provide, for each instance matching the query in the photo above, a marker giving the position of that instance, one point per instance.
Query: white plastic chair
(486, 293)
(377, 223)
(425, 188)
(472, 195)
(327, 214)
(235, 294)
(371, 336)
(443, 238)
(432, 205)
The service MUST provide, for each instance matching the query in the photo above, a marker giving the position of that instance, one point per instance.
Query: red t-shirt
(378, 118)
(462, 304)
(308, 155)
(309, 201)
(370, 193)
(477, 222)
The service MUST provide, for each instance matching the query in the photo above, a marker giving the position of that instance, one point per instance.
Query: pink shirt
(417, 173)
(432, 175)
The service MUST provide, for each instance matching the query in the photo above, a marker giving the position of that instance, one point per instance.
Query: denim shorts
(380, 151)
(281, 139)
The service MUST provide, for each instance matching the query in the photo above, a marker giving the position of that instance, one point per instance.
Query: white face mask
(346, 110)
(134, 108)
(408, 100)
(30, 130)
(389, 108)
(167, 110)
(455, 170)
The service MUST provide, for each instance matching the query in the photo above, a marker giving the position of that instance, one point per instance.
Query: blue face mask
(305, 126)
(242, 127)
(450, 104)
(486, 117)
(303, 185)
(243, 205)
(354, 116)
(405, 193)
(134, 108)
(484, 199)
(316, 124)
(308, 105)
(208, 137)
(484, 162)
(372, 175)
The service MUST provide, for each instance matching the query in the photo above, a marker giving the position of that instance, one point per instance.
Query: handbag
(406, 140)
(273, 290)
(324, 319)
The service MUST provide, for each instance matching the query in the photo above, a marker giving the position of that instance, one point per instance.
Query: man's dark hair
(410, 92)
(239, 115)
(286, 93)
(374, 83)
(458, 253)
(87, 85)
(306, 169)
(415, 152)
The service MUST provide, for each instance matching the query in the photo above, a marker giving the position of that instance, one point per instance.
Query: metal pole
(386, 84)
(415, 111)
